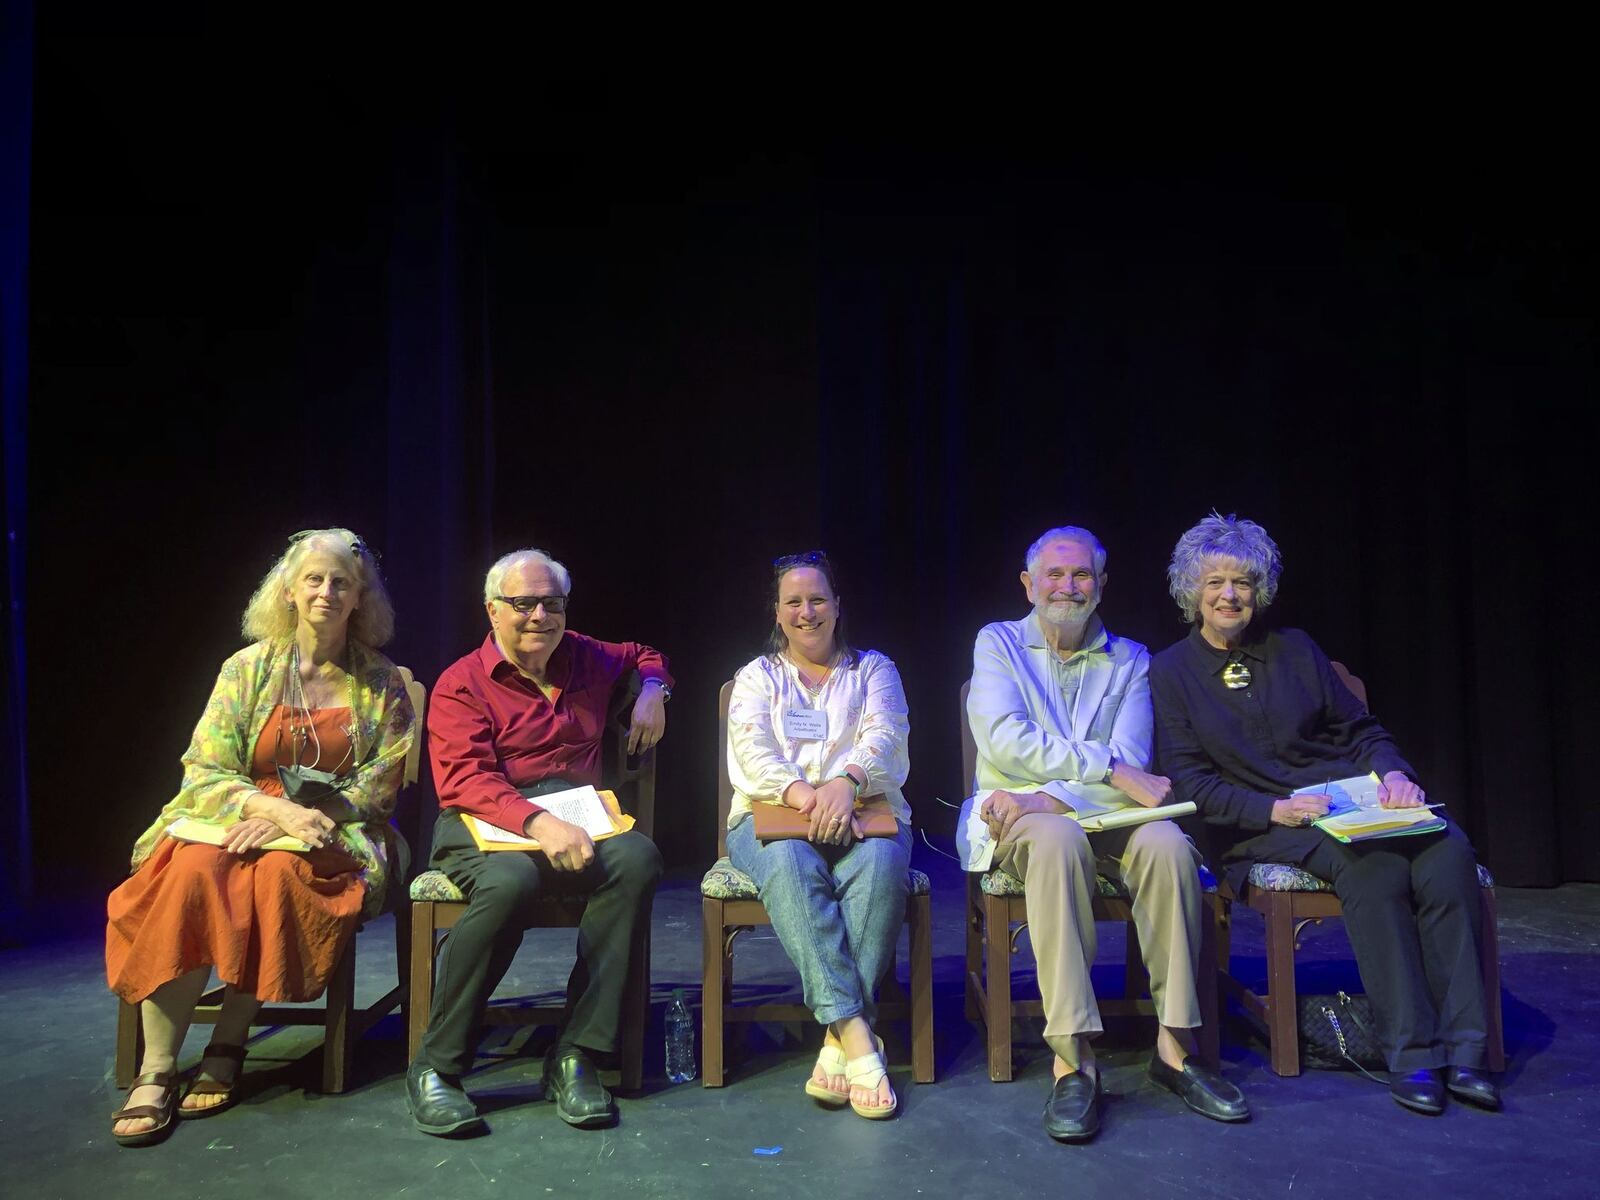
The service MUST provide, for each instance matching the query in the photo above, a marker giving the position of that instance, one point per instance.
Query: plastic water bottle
(680, 1040)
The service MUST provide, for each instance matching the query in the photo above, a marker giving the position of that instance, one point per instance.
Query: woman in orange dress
(305, 736)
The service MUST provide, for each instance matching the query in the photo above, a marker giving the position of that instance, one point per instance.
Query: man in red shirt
(522, 716)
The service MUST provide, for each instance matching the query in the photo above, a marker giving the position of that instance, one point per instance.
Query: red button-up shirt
(491, 731)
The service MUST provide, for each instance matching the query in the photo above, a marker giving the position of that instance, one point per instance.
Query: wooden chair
(997, 913)
(437, 904)
(1288, 899)
(342, 1022)
(730, 904)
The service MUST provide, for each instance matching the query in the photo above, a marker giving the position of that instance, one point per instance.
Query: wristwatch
(1111, 765)
(666, 692)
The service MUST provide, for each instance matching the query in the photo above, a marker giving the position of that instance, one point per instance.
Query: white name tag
(805, 724)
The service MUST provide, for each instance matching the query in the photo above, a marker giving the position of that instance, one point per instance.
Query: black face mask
(309, 786)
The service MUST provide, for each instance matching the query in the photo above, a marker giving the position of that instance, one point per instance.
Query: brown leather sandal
(160, 1113)
(213, 1087)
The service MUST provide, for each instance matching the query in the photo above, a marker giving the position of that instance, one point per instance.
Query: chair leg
(1208, 1040)
(421, 986)
(1283, 1032)
(921, 912)
(974, 957)
(712, 994)
(997, 985)
(1224, 940)
(130, 1043)
(402, 964)
(636, 1014)
(1489, 962)
(337, 1044)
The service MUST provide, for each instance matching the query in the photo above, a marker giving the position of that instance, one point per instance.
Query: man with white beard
(1060, 711)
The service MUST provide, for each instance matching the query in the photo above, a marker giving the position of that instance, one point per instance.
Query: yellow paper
(491, 837)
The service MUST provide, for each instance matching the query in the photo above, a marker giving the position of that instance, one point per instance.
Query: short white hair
(1065, 533)
(496, 578)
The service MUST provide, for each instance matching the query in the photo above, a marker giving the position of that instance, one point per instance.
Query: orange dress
(273, 923)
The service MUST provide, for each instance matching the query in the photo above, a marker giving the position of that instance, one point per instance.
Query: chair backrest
(419, 703)
(724, 784)
(399, 845)
(969, 746)
(633, 779)
(1357, 688)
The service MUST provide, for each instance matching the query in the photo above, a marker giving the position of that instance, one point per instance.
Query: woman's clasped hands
(831, 807)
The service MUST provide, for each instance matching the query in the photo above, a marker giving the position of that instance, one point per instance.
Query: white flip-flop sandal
(869, 1071)
(832, 1062)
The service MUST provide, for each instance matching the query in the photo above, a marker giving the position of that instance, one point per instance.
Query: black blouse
(1235, 752)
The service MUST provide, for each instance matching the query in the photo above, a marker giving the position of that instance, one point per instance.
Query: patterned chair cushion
(724, 881)
(1280, 877)
(998, 883)
(435, 886)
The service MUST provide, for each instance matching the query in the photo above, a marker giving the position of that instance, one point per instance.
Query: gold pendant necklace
(1235, 674)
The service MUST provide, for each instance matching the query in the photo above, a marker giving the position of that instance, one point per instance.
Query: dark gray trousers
(1413, 916)
(501, 890)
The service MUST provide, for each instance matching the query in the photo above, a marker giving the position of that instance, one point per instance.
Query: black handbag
(1339, 1033)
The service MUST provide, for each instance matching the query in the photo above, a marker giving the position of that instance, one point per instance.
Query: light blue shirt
(1044, 723)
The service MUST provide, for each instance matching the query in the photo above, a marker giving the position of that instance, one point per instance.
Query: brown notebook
(776, 822)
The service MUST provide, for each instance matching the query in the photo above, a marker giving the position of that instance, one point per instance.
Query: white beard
(1067, 612)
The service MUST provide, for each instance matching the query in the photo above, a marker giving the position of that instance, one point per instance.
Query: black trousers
(501, 889)
(1413, 915)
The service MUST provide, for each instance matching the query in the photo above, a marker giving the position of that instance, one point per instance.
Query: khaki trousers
(1057, 862)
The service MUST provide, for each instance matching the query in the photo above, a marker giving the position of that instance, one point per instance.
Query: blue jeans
(837, 910)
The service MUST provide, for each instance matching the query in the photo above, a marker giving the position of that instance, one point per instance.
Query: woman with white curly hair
(305, 736)
(1247, 716)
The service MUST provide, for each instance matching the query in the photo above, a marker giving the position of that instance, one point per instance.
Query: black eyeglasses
(526, 604)
(811, 558)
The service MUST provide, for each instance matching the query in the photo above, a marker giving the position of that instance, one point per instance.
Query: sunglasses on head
(811, 558)
(357, 547)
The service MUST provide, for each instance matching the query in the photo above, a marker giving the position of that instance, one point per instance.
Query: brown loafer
(160, 1113)
(214, 1087)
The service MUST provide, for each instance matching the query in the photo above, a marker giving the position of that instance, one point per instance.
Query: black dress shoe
(1419, 1091)
(1201, 1088)
(438, 1105)
(1072, 1114)
(571, 1081)
(1473, 1086)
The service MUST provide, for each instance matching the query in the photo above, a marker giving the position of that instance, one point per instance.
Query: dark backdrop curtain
(474, 318)
(16, 162)
(1396, 378)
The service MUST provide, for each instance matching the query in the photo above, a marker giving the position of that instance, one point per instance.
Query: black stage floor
(1321, 1134)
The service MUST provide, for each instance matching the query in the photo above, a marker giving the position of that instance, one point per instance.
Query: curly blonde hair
(268, 617)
